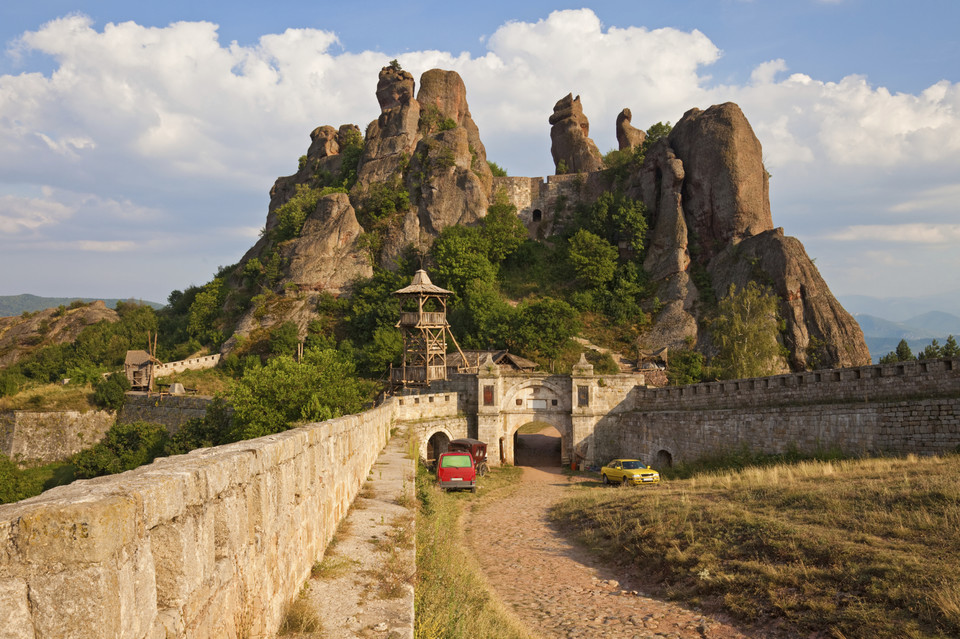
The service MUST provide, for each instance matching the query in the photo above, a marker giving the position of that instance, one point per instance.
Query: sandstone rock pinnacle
(572, 149)
(628, 137)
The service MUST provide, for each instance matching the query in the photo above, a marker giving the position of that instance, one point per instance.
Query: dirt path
(559, 590)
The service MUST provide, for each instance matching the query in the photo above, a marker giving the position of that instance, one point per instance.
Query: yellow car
(628, 471)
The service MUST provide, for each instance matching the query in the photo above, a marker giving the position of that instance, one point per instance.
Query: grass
(300, 617)
(51, 397)
(451, 598)
(207, 382)
(849, 548)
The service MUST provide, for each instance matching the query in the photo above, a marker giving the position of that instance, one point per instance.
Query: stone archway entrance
(537, 444)
(438, 443)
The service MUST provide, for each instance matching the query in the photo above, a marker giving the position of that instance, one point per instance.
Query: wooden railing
(423, 319)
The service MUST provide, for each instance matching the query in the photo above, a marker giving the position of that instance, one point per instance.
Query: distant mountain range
(902, 309)
(882, 335)
(11, 305)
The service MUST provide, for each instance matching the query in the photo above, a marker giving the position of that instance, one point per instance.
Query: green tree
(111, 392)
(460, 255)
(901, 354)
(385, 348)
(616, 217)
(124, 447)
(745, 333)
(502, 229)
(284, 339)
(496, 169)
(950, 348)
(543, 327)
(272, 398)
(686, 367)
(204, 315)
(931, 351)
(372, 304)
(594, 260)
(482, 319)
(656, 132)
(16, 484)
(292, 213)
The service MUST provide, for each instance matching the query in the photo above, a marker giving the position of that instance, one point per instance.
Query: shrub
(496, 169)
(124, 447)
(16, 484)
(110, 393)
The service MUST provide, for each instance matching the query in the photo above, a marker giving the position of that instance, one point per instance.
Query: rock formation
(23, 334)
(706, 192)
(573, 150)
(704, 187)
(628, 137)
(429, 147)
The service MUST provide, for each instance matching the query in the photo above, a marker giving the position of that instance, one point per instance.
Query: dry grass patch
(301, 618)
(51, 397)
(209, 381)
(865, 548)
(451, 597)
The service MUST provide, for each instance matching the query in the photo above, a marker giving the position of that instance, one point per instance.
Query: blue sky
(139, 141)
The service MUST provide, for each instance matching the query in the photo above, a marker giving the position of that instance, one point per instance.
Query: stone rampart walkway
(363, 587)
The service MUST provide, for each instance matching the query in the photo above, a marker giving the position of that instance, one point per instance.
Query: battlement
(878, 382)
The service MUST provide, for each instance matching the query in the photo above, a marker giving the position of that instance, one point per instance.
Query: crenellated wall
(193, 364)
(906, 407)
(209, 544)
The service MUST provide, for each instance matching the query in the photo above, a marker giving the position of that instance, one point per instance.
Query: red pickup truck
(456, 471)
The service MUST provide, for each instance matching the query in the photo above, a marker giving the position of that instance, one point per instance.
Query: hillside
(30, 331)
(635, 250)
(11, 305)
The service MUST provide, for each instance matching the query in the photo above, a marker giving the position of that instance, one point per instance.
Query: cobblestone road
(558, 589)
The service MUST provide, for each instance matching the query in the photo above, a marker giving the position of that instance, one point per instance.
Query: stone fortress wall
(209, 544)
(905, 407)
(216, 542)
(35, 438)
(542, 202)
(170, 410)
(192, 364)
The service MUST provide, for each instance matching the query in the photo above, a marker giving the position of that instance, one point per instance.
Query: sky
(139, 140)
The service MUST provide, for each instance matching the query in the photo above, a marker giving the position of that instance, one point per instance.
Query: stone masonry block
(13, 601)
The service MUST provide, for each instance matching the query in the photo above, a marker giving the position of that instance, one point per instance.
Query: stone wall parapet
(213, 543)
(877, 382)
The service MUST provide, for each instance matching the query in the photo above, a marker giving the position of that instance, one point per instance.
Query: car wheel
(473, 490)
(606, 480)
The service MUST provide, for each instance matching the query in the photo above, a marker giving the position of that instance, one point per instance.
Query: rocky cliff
(707, 196)
(421, 167)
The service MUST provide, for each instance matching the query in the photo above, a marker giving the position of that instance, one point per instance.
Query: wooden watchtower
(423, 323)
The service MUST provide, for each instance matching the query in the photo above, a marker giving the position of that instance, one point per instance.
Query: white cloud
(168, 128)
(19, 214)
(941, 198)
(900, 233)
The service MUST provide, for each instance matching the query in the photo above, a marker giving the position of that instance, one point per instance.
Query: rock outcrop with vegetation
(26, 333)
(644, 242)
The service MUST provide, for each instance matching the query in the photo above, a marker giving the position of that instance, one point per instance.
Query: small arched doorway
(537, 444)
(664, 459)
(438, 443)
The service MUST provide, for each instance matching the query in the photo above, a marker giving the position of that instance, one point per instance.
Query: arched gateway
(573, 404)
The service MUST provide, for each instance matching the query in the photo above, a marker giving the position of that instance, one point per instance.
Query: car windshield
(632, 465)
(455, 461)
